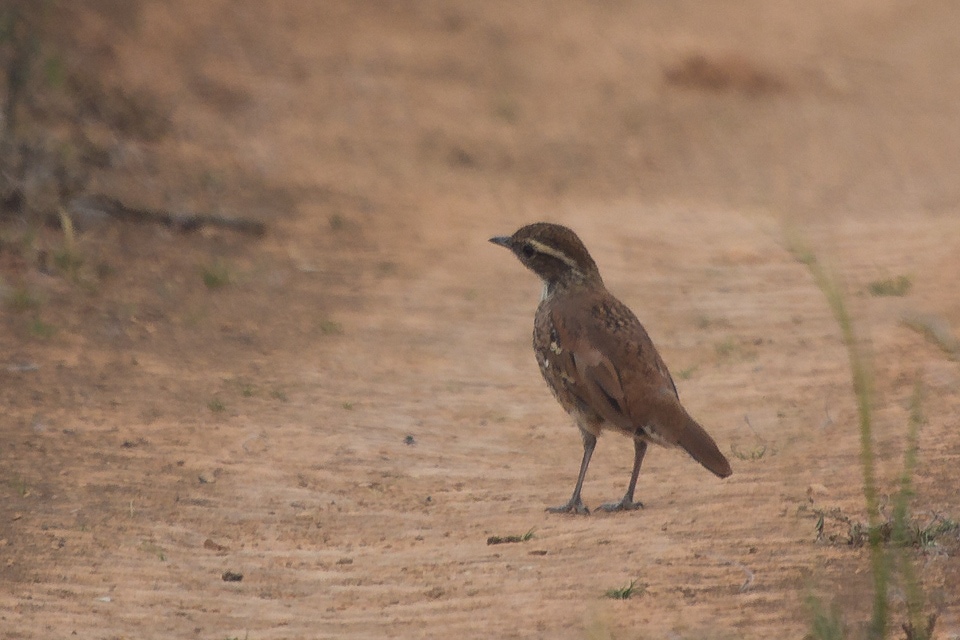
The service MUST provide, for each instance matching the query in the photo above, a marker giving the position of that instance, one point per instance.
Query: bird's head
(551, 251)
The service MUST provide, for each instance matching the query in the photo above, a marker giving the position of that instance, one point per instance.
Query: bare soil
(348, 419)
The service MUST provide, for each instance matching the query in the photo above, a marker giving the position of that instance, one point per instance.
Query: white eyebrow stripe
(559, 255)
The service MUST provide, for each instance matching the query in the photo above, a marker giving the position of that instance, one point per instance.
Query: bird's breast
(558, 370)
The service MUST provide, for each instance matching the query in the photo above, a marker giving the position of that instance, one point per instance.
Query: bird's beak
(503, 241)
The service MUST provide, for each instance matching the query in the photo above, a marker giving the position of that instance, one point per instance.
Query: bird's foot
(623, 505)
(574, 506)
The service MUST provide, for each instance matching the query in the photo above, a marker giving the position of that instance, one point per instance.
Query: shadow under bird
(599, 361)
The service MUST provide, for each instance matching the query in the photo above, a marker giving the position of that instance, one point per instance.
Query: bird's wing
(601, 382)
(629, 385)
(591, 358)
(618, 354)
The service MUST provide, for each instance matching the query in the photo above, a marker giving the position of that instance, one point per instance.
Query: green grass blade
(863, 389)
(901, 517)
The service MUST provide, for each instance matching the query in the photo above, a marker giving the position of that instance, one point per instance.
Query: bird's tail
(698, 443)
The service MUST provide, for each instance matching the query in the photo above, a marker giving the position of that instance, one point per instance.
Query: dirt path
(350, 418)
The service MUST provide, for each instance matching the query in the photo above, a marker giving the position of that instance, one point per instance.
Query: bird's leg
(627, 503)
(575, 505)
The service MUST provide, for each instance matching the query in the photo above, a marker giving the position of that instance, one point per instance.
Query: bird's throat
(546, 291)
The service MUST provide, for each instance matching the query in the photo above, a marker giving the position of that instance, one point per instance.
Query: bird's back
(600, 352)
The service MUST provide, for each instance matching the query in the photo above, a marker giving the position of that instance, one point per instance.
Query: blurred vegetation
(60, 117)
(38, 166)
(22, 31)
(888, 540)
(899, 286)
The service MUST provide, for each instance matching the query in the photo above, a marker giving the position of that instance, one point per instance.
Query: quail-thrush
(599, 361)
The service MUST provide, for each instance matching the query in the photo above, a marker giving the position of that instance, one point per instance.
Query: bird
(600, 363)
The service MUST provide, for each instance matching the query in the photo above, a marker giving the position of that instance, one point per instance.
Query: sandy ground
(348, 420)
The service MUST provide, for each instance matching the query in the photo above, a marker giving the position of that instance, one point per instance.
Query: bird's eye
(528, 250)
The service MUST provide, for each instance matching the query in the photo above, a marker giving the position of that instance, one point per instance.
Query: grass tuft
(725, 348)
(19, 484)
(154, 549)
(899, 286)
(899, 531)
(20, 300)
(216, 275)
(330, 328)
(509, 539)
(40, 329)
(755, 453)
(686, 374)
(624, 593)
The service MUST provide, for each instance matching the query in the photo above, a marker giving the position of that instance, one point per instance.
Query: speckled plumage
(599, 362)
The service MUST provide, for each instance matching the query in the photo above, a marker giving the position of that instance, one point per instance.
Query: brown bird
(599, 361)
